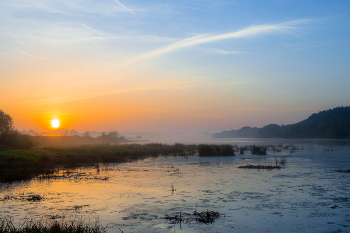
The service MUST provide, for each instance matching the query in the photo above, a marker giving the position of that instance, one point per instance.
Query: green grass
(21, 155)
(26, 164)
(89, 148)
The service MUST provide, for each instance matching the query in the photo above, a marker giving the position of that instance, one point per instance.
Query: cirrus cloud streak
(207, 38)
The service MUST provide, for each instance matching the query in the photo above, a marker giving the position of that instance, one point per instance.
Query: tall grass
(215, 150)
(258, 150)
(26, 164)
(7, 226)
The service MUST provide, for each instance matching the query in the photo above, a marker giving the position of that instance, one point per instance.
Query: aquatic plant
(201, 217)
(215, 150)
(241, 151)
(258, 150)
(206, 216)
(279, 163)
(344, 171)
(260, 166)
(35, 197)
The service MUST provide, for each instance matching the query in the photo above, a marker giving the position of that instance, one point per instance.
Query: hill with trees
(245, 132)
(333, 123)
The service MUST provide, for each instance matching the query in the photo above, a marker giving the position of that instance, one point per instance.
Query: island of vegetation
(330, 124)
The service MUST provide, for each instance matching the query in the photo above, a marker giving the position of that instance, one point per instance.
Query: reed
(258, 150)
(32, 226)
(215, 150)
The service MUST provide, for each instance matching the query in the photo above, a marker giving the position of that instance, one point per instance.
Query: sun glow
(55, 123)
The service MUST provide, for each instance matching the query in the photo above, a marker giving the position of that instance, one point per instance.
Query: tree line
(10, 137)
(329, 124)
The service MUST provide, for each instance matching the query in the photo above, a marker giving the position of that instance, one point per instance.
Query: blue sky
(172, 65)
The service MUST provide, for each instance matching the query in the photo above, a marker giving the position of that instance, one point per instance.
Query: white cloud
(227, 52)
(207, 38)
(124, 7)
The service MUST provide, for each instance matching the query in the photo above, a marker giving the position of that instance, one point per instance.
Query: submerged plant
(201, 217)
(278, 165)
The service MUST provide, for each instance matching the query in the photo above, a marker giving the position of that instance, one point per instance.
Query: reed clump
(258, 150)
(215, 150)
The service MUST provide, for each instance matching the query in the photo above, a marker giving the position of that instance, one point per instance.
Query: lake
(307, 195)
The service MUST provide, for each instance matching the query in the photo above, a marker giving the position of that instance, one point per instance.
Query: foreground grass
(6, 226)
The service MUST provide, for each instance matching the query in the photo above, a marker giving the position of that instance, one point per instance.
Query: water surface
(305, 196)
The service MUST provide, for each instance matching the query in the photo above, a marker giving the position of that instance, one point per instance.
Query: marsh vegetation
(26, 164)
(33, 226)
(17, 164)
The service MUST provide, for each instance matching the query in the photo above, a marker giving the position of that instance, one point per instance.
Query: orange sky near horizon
(171, 101)
(198, 66)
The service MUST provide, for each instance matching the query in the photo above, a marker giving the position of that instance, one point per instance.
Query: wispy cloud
(125, 7)
(171, 85)
(227, 52)
(207, 38)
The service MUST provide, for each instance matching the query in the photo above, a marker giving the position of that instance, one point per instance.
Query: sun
(55, 123)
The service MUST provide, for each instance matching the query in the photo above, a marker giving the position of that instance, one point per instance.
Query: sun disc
(55, 123)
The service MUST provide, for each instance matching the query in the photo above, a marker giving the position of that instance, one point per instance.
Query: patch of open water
(305, 196)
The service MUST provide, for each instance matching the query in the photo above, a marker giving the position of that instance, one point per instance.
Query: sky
(172, 66)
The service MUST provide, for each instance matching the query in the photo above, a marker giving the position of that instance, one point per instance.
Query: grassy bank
(16, 165)
(25, 164)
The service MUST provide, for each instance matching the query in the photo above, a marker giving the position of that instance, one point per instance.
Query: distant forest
(332, 123)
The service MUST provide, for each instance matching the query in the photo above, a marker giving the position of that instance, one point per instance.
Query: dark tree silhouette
(10, 137)
(6, 123)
